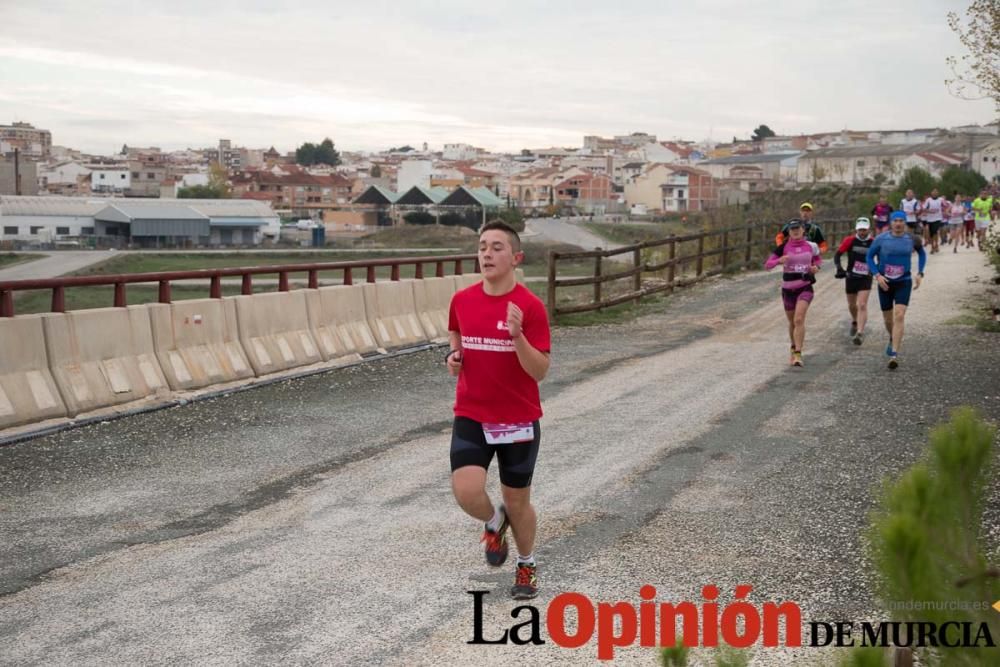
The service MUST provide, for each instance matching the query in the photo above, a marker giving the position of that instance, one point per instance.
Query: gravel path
(310, 523)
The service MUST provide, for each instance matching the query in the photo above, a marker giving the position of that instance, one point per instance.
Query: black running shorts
(516, 461)
(855, 284)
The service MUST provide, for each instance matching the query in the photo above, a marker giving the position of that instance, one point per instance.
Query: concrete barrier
(432, 299)
(103, 358)
(28, 392)
(392, 314)
(338, 321)
(468, 279)
(197, 343)
(274, 331)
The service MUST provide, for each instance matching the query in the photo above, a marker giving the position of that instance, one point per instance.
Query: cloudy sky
(502, 75)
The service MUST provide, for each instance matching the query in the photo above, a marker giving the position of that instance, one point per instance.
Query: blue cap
(897, 215)
(792, 224)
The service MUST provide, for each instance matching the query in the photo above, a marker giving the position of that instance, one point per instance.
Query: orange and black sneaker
(525, 582)
(496, 541)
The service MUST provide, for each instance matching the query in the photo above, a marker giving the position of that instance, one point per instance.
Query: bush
(419, 218)
(512, 216)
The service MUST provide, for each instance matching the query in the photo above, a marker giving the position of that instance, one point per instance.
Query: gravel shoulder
(311, 523)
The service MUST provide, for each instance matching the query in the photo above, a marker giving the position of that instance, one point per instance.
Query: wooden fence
(711, 253)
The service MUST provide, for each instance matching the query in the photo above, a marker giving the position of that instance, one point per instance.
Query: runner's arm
(844, 247)
(870, 257)
(921, 257)
(775, 257)
(534, 362)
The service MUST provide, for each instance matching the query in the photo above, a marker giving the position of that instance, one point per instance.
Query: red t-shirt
(492, 387)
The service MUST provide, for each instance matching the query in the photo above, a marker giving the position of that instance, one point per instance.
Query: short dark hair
(515, 240)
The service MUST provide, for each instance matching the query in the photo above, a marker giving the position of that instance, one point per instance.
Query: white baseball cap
(863, 223)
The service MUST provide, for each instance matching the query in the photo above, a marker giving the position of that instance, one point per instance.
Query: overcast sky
(502, 75)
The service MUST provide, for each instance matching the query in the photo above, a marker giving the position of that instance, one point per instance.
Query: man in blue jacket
(889, 260)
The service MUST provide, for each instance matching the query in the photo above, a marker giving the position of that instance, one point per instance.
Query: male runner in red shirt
(498, 333)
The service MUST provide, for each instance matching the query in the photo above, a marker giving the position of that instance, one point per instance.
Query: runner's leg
(861, 299)
(468, 483)
(799, 323)
(898, 313)
(522, 517)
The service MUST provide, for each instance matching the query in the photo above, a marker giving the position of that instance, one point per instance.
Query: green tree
(218, 180)
(323, 153)
(962, 181)
(762, 132)
(976, 75)
(916, 179)
(926, 537)
(375, 171)
(199, 192)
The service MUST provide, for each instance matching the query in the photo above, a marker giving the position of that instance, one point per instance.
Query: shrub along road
(311, 521)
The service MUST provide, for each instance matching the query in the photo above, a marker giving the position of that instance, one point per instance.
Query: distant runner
(498, 332)
(814, 232)
(910, 205)
(970, 223)
(933, 209)
(981, 207)
(858, 278)
(889, 260)
(956, 223)
(800, 260)
(880, 214)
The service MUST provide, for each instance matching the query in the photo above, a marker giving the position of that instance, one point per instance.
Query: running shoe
(893, 361)
(525, 582)
(888, 350)
(858, 337)
(797, 359)
(791, 356)
(496, 541)
(854, 329)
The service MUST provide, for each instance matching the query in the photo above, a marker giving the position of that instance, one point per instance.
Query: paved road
(54, 264)
(310, 522)
(565, 231)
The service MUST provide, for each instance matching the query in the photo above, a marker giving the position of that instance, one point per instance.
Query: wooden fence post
(701, 255)
(551, 298)
(597, 274)
(637, 278)
(748, 254)
(671, 255)
(725, 250)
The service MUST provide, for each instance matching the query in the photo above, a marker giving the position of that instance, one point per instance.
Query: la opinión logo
(739, 624)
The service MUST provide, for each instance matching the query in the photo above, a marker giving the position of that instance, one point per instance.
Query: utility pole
(17, 171)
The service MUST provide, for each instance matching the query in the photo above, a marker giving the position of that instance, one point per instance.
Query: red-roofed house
(689, 189)
(584, 191)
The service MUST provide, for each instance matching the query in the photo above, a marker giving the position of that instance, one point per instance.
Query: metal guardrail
(215, 276)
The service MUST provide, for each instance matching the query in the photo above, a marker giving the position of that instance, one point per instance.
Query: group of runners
(879, 252)
(499, 343)
(941, 221)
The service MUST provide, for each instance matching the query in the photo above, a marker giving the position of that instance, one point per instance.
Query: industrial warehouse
(146, 223)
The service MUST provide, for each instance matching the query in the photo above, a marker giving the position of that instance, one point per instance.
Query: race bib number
(798, 268)
(508, 434)
(893, 271)
(860, 268)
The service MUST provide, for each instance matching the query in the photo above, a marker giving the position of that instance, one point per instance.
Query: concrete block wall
(60, 367)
